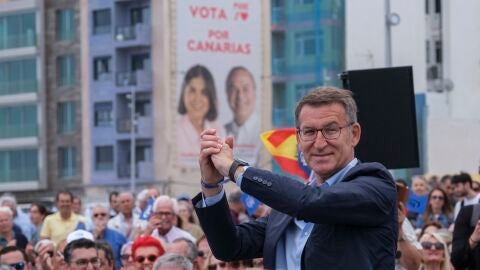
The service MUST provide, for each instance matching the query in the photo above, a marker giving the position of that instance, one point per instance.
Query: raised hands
(216, 156)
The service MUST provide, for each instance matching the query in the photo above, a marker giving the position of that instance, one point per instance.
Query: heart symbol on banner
(244, 16)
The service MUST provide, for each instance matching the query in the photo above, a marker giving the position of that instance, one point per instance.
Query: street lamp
(131, 96)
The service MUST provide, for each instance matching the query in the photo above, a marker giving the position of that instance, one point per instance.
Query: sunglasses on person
(150, 258)
(18, 265)
(85, 262)
(436, 246)
(96, 215)
(440, 198)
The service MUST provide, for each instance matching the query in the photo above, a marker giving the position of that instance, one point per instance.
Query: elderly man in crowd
(126, 221)
(101, 232)
(19, 218)
(162, 221)
(172, 261)
(186, 248)
(7, 235)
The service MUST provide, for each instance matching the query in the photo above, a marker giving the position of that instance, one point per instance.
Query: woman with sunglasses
(435, 254)
(145, 251)
(438, 209)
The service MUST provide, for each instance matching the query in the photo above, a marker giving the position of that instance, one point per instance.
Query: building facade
(307, 51)
(22, 96)
(119, 39)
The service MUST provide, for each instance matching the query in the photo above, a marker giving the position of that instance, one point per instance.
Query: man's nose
(320, 141)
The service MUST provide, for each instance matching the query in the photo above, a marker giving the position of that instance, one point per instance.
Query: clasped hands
(216, 156)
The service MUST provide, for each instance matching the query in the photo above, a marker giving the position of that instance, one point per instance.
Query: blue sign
(250, 203)
(416, 204)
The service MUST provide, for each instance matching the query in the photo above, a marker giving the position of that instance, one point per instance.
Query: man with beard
(462, 184)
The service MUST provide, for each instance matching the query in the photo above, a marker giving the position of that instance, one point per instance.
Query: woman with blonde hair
(435, 255)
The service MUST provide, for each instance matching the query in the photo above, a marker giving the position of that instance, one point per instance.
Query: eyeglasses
(167, 214)
(440, 198)
(329, 133)
(125, 257)
(85, 262)
(429, 245)
(96, 215)
(150, 258)
(18, 265)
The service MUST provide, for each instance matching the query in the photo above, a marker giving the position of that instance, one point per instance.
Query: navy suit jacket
(355, 220)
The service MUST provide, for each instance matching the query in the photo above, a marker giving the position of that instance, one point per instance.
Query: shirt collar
(338, 176)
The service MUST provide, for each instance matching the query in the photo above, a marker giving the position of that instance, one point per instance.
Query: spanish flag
(282, 145)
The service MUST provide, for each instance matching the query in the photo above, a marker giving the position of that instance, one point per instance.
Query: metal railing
(18, 87)
(18, 41)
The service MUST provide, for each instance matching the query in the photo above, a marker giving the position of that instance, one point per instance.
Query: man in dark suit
(344, 219)
(466, 238)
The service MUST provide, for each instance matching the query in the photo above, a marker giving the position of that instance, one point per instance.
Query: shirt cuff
(240, 177)
(209, 201)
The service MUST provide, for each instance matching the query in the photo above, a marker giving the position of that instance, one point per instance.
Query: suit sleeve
(367, 200)
(227, 241)
(461, 252)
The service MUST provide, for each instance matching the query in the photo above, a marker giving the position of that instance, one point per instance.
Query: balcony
(18, 41)
(143, 170)
(18, 87)
(143, 126)
(18, 131)
(139, 78)
(133, 35)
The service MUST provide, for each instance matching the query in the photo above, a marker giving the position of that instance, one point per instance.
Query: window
(66, 117)
(67, 161)
(19, 165)
(101, 68)
(17, 30)
(18, 121)
(19, 76)
(140, 15)
(101, 21)
(143, 107)
(66, 70)
(66, 24)
(141, 62)
(303, 89)
(104, 158)
(305, 44)
(103, 114)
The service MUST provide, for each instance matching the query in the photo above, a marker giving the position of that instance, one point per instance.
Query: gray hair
(329, 95)
(166, 199)
(170, 259)
(192, 252)
(125, 246)
(8, 197)
(6, 210)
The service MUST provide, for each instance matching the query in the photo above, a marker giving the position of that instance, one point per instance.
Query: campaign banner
(219, 65)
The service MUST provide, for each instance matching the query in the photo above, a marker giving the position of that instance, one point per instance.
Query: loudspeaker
(386, 112)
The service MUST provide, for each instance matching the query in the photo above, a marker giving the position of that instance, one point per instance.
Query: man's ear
(356, 132)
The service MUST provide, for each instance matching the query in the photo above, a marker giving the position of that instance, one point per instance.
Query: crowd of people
(350, 214)
(147, 231)
(444, 232)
